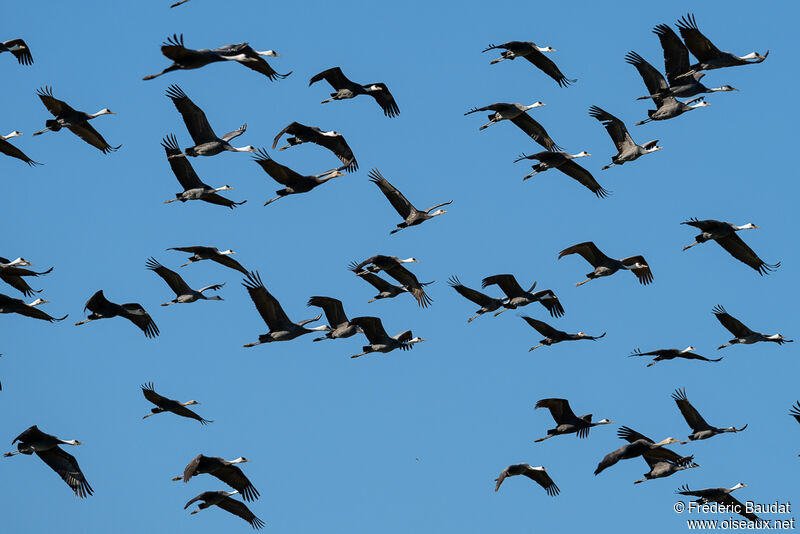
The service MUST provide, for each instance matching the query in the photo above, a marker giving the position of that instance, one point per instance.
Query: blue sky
(410, 441)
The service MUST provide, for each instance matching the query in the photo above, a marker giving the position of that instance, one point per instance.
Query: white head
(37, 302)
(104, 111)
(546, 49)
(438, 212)
(538, 467)
(240, 460)
(247, 148)
(12, 134)
(227, 252)
(224, 188)
(535, 105)
(229, 493)
(190, 403)
(581, 154)
(739, 485)
(700, 104)
(689, 349)
(333, 174)
(748, 226)
(667, 441)
(605, 422)
(410, 260)
(725, 88)
(581, 334)
(268, 53)
(415, 340)
(21, 261)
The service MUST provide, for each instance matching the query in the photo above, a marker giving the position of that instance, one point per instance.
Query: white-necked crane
(719, 495)
(605, 266)
(518, 297)
(516, 113)
(664, 464)
(186, 58)
(10, 150)
(222, 257)
(19, 49)
(700, 429)
(724, 233)
(345, 88)
(75, 121)
(206, 142)
(12, 273)
(392, 266)
(671, 354)
(163, 404)
(709, 56)
(332, 140)
(487, 303)
(102, 308)
(534, 54)
(337, 319)
(225, 470)
(563, 161)
(627, 149)
(293, 181)
(379, 340)
(636, 448)
(743, 334)
(224, 501)
(538, 474)
(411, 215)
(281, 328)
(193, 187)
(47, 448)
(553, 336)
(386, 289)
(183, 293)
(566, 420)
(12, 305)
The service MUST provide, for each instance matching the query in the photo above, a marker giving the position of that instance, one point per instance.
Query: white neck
(545, 49)
(237, 460)
(12, 134)
(101, 112)
(751, 55)
(323, 328)
(244, 149)
(223, 188)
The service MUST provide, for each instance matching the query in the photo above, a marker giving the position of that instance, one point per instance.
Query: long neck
(242, 149)
(751, 55)
(101, 112)
(223, 188)
(70, 442)
(9, 136)
(323, 328)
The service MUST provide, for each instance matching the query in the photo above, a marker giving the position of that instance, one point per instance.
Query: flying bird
(534, 54)
(347, 89)
(638, 447)
(19, 49)
(164, 404)
(518, 297)
(12, 273)
(671, 354)
(337, 320)
(224, 470)
(743, 334)
(10, 150)
(700, 429)
(186, 58)
(386, 289)
(605, 266)
(47, 448)
(567, 422)
(224, 501)
(537, 474)
(193, 187)
(627, 149)
(206, 142)
(295, 182)
(488, 304)
(75, 121)
(553, 336)
(280, 327)
(411, 215)
(516, 113)
(379, 340)
(724, 233)
(102, 308)
(333, 141)
(795, 411)
(664, 464)
(12, 305)
(709, 56)
(394, 268)
(200, 253)
(564, 163)
(183, 293)
(719, 495)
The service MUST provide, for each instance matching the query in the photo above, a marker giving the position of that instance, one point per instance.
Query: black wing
(543, 328)
(589, 251)
(194, 118)
(692, 416)
(180, 165)
(507, 283)
(135, 313)
(372, 327)
(616, 128)
(334, 311)
(86, 132)
(10, 150)
(22, 52)
(676, 56)
(67, 468)
(547, 66)
(559, 409)
(398, 201)
(573, 170)
(739, 250)
(267, 305)
(384, 98)
(696, 42)
(173, 279)
(733, 325)
(239, 508)
(477, 297)
(280, 173)
(535, 131)
(653, 79)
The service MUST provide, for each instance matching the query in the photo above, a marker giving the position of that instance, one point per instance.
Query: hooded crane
(709, 56)
(676, 63)
(668, 106)
(534, 54)
(179, 3)
(411, 215)
(164, 404)
(333, 141)
(700, 429)
(183, 293)
(10, 150)
(47, 448)
(743, 334)
(224, 470)
(347, 89)
(518, 297)
(75, 121)
(12, 305)
(295, 182)
(224, 501)
(206, 142)
(516, 113)
(19, 49)
(627, 149)
(724, 233)
(487, 303)
(193, 187)
(605, 266)
(393, 267)
(200, 253)
(186, 58)
(102, 308)
(719, 495)
(11, 273)
(636, 448)
(563, 162)
(567, 422)
(537, 474)
(553, 336)
(280, 327)
(379, 340)
(337, 320)
(666, 463)
(671, 354)
(386, 290)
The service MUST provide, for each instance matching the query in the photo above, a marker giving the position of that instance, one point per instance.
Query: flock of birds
(683, 80)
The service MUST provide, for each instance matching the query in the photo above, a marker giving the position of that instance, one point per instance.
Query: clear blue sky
(334, 442)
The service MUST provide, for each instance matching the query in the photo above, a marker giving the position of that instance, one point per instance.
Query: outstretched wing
(67, 468)
(733, 325)
(477, 297)
(239, 508)
(20, 51)
(334, 311)
(173, 279)
(267, 305)
(334, 76)
(559, 409)
(534, 130)
(588, 250)
(676, 56)
(543, 479)
(372, 328)
(546, 65)
(87, 132)
(573, 170)
(280, 173)
(139, 317)
(642, 272)
(55, 106)
(616, 128)
(696, 42)
(653, 79)
(734, 504)
(150, 394)
(398, 201)
(507, 283)
(692, 416)
(739, 250)
(180, 165)
(194, 118)
(543, 328)
(384, 98)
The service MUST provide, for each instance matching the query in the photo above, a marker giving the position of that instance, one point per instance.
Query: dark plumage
(333, 141)
(743, 334)
(537, 474)
(395, 269)
(563, 162)
(700, 429)
(379, 340)
(12, 305)
(295, 182)
(533, 53)
(411, 215)
(75, 121)
(724, 233)
(13, 275)
(627, 149)
(163, 404)
(670, 354)
(347, 89)
(224, 501)
(709, 56)
(487, 303)
(224, 470)
(638, 447)
(19, 49)
(184, 294)
(553, 336)
(337, 320)
(386, 289)
(662, 464)
(719, 495)
(605, 266)
(518, 297)
(516, 113)
(102, 308)
(567, 422)
(200, 253)
(10, 150)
